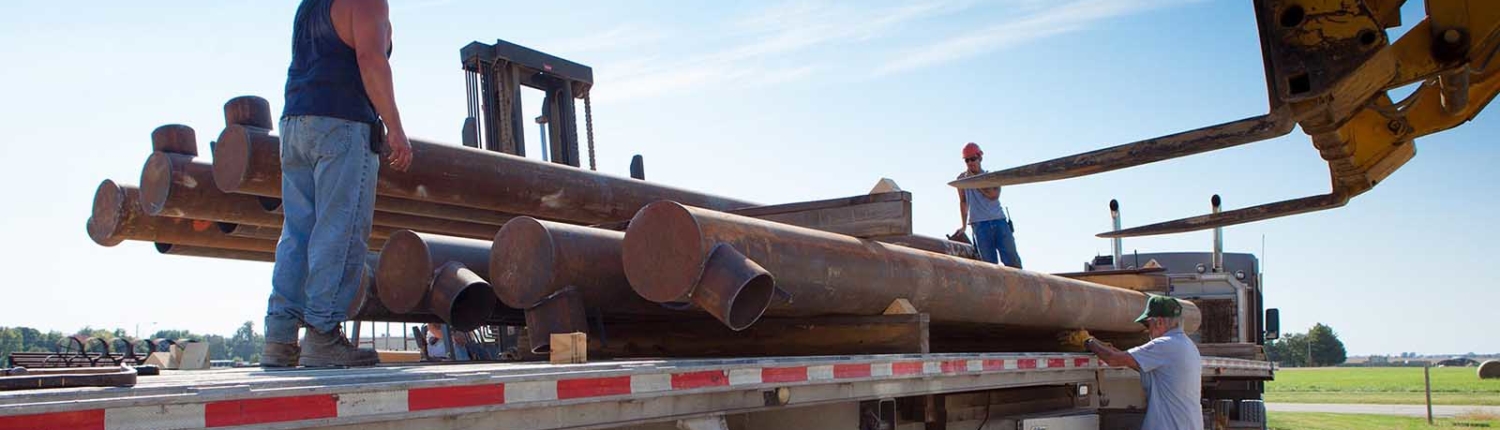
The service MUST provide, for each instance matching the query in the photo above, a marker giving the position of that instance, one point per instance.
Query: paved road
(1403, 410)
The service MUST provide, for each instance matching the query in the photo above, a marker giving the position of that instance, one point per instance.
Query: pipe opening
(734, 288)
(461, 298)
(563, 312)
(472, 307)
(269, 204)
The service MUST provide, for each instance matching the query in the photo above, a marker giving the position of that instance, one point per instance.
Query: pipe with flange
(247, 160)
(220, 253)
(554, 271)
(672, 252)
(175, 139)
(179, 186)
(366, 305)
(117, 216)
(531, 259)
(441, 274)
(561, 312)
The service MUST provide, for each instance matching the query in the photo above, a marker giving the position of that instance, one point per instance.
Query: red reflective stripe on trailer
(1053, 363)
(1080, 362)
(843, 371)
(90, 419)
(593, 387)
(421, 399)
(277, 409)
(783, 374)
(1026, 363)
(691, 380)
(994, 365)
(955, 366)
(906, 368)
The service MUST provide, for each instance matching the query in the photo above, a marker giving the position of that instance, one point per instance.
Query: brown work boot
(332, 349)
(277, 355)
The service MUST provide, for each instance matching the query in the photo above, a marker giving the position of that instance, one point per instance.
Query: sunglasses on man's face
(970, 159)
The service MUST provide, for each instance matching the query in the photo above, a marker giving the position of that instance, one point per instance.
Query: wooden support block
(865, 216)
(900, 307)
(885, 214)
(189, 356)
(1142, 279)
(160, 359)
(887, 334)
(570, 348)
(399, 356)
(885, 185)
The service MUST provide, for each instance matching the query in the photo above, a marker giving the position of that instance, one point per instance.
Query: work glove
(1073, 340)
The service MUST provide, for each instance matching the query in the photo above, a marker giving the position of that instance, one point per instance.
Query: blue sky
(774, 102)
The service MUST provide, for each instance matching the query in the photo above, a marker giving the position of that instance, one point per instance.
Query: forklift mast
(496, 122)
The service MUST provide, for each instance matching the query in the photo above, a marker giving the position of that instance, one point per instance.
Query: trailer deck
(540, 395)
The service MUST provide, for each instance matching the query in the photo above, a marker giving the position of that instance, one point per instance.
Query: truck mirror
(1273, 324)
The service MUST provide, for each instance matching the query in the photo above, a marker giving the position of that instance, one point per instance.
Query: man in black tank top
(338, 92)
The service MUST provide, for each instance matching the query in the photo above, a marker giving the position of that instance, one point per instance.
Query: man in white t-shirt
(1171, 369)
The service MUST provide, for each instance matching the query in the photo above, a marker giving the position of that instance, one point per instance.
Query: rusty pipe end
(226, 227)
(112, 202)
(461, 298)
(404, 273)
(366, 305)
(734, 288)
(175, 139)
(562, 312)
(232, 157)
(156, 182)
(663, 253)
(248, 110)
(522, 262)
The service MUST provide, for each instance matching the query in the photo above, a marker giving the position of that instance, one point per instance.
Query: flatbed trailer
(759, 393)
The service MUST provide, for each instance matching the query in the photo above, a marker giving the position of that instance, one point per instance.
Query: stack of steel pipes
(472, 237)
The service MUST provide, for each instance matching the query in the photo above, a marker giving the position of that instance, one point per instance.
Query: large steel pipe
(440, 274)
(247, 160)
(554, 271)
(532, 259)
(176, 185)
(671, 252)
(207, 252)
(117, 216)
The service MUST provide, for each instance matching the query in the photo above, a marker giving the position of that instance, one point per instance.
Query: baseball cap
(1160, 306)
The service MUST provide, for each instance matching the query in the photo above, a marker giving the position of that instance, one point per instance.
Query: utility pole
(1309, 349)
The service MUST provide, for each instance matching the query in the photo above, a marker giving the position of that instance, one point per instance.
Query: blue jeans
(328, 178)
(995, 237)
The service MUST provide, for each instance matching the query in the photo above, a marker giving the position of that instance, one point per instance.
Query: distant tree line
(244, 345)
(1320, 346)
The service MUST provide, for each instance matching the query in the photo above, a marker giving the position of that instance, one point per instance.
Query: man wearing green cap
(1171, 369)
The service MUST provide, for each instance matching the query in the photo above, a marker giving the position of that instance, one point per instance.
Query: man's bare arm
(1110, 355)
(372, 41)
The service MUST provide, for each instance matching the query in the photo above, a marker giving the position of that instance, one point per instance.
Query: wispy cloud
(629, 35)
(764, 43)
(798, 39)
(1053, 19)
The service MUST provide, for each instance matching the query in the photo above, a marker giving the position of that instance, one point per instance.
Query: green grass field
(1381, 385)
(1317, 421)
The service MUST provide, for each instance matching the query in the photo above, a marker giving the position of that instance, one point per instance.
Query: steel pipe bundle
(247, 160)
(117, 216)
(440, 274)
(176, 185)
(676, 253)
